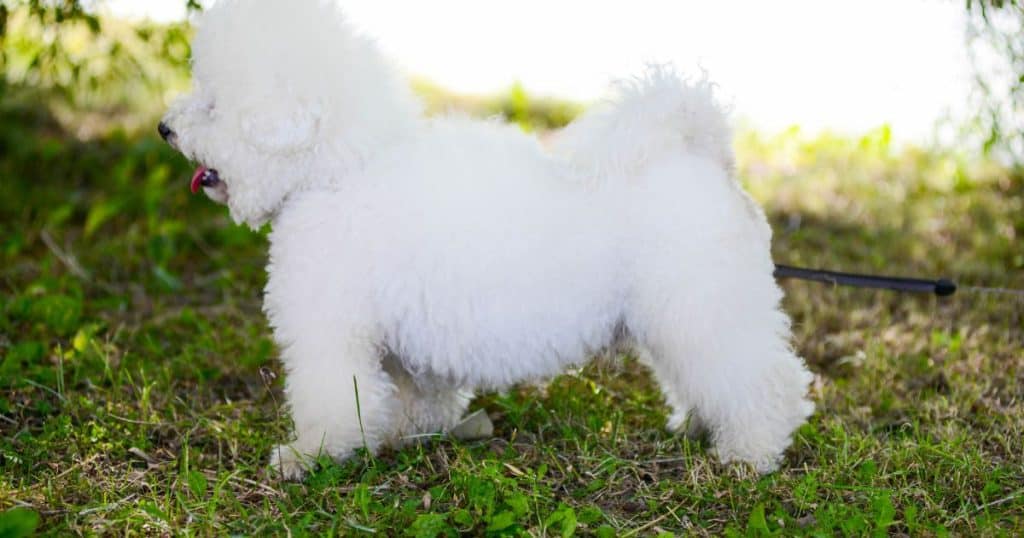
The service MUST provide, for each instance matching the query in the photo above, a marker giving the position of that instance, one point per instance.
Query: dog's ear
(283, 127)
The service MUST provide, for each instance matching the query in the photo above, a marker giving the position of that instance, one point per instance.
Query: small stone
(474, 427)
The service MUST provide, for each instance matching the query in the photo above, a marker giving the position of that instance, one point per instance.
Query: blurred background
(844, 66)
(845, 110)
(880, 136)
(921, 67)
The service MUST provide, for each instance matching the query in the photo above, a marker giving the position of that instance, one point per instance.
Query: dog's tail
(648, 116)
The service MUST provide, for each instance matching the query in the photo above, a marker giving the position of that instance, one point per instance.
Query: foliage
(515, 106)
(994, 34)
(94, 80)
(18, 523)
(123, 77)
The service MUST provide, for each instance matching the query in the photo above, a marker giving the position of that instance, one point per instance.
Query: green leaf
(519, 503)
(361, 499)
(910, 518)
(885, 512)
(28, 352)
(60, 313)
(18, 522)
(98, 214)
(60, 215)
(569, 523)
(867, 471)
(429, 525)
(590, 514)
(93, 22)
(154, 511)
(166, 278)
(480, 494)
(501, 521)
(197, 483)
(463, 517)
(757, 525)
(565, 516)
(806, 492)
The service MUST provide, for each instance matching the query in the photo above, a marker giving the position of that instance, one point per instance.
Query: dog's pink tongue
(197, 179)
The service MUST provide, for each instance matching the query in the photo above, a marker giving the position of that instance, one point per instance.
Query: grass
(140, 394)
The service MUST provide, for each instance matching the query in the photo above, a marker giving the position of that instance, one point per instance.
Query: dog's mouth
(204, 177)
(209, 180)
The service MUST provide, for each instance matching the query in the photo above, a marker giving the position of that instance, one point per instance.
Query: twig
(47, 389)
(359, 527)
(77, 464)
(142, 455)
(30, 506)
(645, 526)
(64, 257)
(238, 481)
(140, 422)
(107, 507)
(997, 502)
(258, 485)
(662, 460)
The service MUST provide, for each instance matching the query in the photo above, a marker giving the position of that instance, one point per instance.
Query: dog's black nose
(164, 130)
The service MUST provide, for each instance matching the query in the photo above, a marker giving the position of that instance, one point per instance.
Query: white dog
(415, 260)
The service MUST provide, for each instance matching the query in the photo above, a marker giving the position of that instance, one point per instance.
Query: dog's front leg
(339, 400)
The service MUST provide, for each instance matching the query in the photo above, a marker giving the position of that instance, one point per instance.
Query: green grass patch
(140, 392)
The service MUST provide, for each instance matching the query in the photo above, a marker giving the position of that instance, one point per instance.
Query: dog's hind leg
(724, 361)
(683, 417)
(427, 407)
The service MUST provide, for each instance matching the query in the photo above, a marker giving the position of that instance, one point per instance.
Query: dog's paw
(689, 425)
(762, 464)
(286, 463)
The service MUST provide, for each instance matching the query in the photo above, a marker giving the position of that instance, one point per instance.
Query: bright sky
(842, 65)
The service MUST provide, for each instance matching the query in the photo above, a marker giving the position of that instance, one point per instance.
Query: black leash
(942, 287)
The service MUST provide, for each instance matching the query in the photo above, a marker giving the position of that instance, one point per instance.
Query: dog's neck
(352, 137)
(338, 165)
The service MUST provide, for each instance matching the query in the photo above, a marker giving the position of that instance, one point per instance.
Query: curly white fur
(422, 259)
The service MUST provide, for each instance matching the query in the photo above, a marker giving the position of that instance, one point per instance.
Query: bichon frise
(414, 260)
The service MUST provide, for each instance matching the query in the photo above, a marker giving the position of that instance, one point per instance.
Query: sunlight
(846, 67)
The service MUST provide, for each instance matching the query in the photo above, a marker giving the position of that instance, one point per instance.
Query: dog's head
(285, 97)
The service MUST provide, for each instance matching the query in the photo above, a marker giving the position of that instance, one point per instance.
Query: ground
(140, 391)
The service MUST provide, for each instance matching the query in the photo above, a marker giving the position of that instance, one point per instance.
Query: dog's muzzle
(203, 176)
